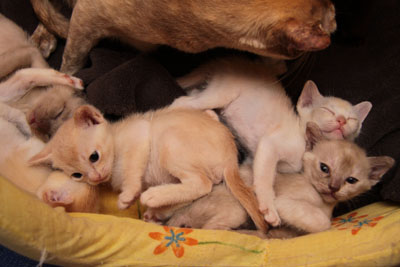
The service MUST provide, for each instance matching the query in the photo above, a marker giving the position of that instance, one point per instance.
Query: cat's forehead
(337, 104)
(342, 155)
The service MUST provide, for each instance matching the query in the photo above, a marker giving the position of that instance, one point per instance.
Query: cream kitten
(334, 171)
(256, 106)
(166, 156)
(23, 88)
(54, 188)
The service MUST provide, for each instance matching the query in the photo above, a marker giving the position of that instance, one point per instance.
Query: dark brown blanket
(361, 64)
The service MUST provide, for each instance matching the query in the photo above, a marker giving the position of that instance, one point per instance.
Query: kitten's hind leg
(302, 215)
(25, 79)
(194, 184)
(214, 96)
(44, 40)
(17, 117)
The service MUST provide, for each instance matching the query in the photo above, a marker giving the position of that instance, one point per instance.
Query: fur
(166, 156)
(280, 29)
(255, 105)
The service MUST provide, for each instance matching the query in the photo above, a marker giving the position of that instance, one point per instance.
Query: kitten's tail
(54, 21)
(245, 196)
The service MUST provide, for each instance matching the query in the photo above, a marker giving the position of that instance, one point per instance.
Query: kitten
(280, 29)
(256, 107)
(334, 171)
(24, 73)
(54, 188)
(167, 156)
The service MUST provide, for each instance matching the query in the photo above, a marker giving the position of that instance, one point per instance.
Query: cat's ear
(313, 135)
(379, 166)
(309, 95)
(362, 109)
(43, 157)
(306, 37)
(86, 116)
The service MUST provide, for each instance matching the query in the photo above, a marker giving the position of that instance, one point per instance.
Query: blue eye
(324, 168)
(77, 175)
(94, 157)
(351, 180)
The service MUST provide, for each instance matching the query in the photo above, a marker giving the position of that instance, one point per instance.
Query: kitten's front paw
(151, 198)
(74, 82)
(126, 199)
(271, 216)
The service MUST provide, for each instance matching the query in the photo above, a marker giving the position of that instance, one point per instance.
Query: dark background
(362, 63)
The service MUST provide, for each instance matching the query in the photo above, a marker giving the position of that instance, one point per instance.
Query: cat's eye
(330, 111)
(94, 157)
(59, 113)
(77, 175)
(324, 167)
(351, 180)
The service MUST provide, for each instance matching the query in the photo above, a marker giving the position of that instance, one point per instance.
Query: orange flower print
(354, 222)
(174, 238)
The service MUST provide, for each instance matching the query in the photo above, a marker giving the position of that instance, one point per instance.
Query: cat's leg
(21, 57)
(194, 78)
(132, 164)
(25, 79)
(302, 215)
(44, 40)
(17, 117)
(194, 184)
(214, 96)
(264, 167)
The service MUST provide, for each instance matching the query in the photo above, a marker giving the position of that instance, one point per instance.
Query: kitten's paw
(74, 82)
(44, 40)
(151, 198)
(181, 102)
(271, 216)
(126, 199)
(150, 215)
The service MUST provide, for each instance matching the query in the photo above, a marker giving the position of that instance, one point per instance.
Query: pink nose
(341, 120)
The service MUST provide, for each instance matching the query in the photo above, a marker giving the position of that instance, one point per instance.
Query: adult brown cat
(275, 28)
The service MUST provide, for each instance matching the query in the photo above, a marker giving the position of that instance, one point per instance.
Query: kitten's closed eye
(59, 113)
(94, 157)
(324, 168)
(351, 180)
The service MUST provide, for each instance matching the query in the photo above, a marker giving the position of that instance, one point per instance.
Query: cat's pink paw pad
(74, 82)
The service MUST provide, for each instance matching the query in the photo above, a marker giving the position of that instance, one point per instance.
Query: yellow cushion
(368, 236)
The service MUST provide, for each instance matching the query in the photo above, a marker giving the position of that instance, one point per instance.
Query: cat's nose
(334, 188)
(341, 120)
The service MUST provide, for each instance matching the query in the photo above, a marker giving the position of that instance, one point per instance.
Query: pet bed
(361, 64)
(364, 237)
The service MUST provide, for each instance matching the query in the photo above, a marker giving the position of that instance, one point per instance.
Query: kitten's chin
(329, 197)
(334, 135)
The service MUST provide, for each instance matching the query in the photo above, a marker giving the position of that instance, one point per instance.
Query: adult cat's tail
(245, 196)
(54, 21)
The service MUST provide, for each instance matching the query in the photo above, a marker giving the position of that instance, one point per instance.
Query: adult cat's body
(172, 156)
(334, 171)
(24, 73)
(283, 29)
(256, 106)
(54, 188)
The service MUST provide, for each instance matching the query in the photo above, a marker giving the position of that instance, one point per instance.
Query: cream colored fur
(256, 106)
(304, 200)
(54, 188)
(166, 157)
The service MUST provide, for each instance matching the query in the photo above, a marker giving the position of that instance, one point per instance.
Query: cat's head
(82, 147)
(337, 118)
(280, 29)
(51, 109)
(338, 169)
(59, 190)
